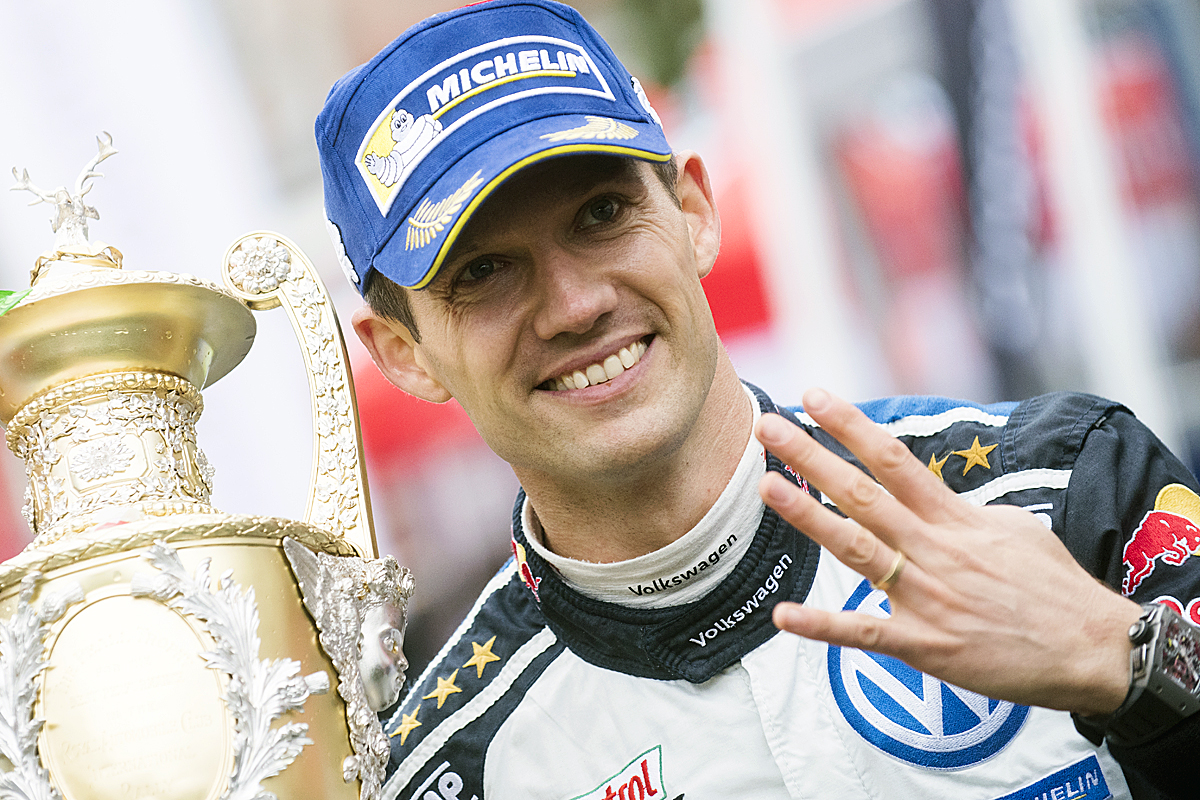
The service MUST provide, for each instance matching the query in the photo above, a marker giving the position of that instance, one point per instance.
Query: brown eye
(601, 210)
(479, 270)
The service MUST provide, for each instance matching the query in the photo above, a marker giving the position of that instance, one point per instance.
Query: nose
(573, 293)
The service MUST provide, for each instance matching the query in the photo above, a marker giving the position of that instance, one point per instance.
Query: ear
(397, 355)
(699, 209)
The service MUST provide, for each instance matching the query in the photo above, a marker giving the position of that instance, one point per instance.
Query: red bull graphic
(524, 570)
(1169, 534)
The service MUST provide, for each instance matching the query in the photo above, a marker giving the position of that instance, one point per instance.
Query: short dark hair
(389, 299)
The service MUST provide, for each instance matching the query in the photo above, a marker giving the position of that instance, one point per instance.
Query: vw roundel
(913, 716)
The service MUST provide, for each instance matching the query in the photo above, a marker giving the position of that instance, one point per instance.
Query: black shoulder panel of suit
(444, 724)
(1132, 521)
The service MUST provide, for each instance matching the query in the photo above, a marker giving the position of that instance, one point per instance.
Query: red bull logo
(524, 571)
(1168, 534)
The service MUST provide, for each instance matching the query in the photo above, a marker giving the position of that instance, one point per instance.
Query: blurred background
(978, 198)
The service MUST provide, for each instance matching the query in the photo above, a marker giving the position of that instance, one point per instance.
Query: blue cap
(413, 141)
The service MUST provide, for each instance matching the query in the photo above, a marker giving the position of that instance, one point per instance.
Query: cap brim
(412, 259)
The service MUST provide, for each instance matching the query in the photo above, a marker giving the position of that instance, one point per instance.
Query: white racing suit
(546, 693)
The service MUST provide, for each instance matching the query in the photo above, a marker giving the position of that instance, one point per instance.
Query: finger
(849, 542)
(843, 629)
(888, 459)
(854, 492)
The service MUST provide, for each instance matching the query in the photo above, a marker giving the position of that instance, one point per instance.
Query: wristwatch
(1164, 682)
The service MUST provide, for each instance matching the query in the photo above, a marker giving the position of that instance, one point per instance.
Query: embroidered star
(407, 723)
(935, 466)
(976, 455)
(444, 689)
(483, 656)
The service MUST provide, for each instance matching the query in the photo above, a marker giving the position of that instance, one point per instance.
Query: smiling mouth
(600, 372)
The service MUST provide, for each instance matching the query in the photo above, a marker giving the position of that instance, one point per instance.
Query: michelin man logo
(412, 137)
(913, 716)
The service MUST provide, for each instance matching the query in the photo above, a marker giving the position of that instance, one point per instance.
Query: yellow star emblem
(976, 455)
(444, 689)
(935, 466)
(407, 723)
(483, 656)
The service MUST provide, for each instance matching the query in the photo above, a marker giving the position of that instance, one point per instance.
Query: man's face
(581, 266)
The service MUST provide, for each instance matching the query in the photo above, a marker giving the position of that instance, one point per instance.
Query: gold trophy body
(150, 645)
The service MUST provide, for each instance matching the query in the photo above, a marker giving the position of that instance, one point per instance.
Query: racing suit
(547, 692)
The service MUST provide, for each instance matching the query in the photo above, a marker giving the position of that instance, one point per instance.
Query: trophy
(152, 646)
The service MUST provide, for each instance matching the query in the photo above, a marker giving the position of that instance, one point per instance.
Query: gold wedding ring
(893, 574)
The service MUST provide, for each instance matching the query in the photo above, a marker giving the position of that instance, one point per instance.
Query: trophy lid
(85, 315)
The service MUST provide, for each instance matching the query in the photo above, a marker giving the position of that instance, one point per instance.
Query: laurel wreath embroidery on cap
(431, 218)
(596, 128)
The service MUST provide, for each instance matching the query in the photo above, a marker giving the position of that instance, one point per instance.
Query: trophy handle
(265, 270)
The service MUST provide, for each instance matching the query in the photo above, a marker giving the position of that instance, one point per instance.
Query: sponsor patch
(751, 604)
(1082, 780)
(1170, 534)
(460, 89)
(913, 716)
(639, 779)
(335, 235)
(443, 784)
(430, 219)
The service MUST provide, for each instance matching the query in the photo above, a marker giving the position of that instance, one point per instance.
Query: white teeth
(603, 371)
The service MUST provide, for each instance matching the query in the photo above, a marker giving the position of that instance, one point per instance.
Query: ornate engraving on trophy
(22, 659)
(359, 606)
(266, 270)
(258, 691)
(96, 443)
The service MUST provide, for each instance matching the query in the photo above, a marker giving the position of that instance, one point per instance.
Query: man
(540, 260)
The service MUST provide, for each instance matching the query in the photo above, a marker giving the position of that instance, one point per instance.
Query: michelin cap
(413, 141)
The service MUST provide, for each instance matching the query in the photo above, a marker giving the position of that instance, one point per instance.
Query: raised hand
(986, 598)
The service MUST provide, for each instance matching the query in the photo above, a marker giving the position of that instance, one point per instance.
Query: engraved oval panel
(131, 710)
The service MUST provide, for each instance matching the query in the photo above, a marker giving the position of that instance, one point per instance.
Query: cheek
(476, 353)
